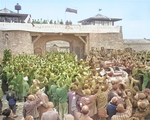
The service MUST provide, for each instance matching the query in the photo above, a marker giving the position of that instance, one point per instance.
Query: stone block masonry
(106, 40)
(17, 41)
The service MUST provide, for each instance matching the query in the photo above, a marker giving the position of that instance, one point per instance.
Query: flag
(100, 9)
(71, 10)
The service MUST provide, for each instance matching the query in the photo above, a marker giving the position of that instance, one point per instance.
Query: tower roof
(6, 14)
(100, 18)
(5, 10)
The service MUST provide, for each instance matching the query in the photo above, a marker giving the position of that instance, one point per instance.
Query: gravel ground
(18, 111)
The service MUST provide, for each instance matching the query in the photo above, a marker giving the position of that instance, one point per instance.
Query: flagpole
(70, 10)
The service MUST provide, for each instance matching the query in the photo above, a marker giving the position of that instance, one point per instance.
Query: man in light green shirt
(53, 95)
(62, 94)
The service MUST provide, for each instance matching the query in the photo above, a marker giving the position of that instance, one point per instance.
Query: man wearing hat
(11, 98)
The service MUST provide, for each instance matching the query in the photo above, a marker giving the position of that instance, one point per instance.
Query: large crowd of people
(112, 93)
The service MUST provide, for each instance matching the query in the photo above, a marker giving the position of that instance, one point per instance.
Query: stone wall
(106, 40)
(21, 42)
(17, 41)
(137, 44)
(1, 46)
(138, 47)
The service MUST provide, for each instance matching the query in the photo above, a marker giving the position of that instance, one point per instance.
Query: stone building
(32, 38)
(99, 20)
(7, 15)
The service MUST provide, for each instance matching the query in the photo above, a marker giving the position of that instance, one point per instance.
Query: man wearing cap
(11, 98)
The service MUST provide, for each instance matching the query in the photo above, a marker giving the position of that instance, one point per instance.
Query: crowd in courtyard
(112, 93)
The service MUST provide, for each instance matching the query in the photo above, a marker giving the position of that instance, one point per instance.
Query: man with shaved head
(50, 114)
(30, 107)
(69, 117)
(111, 107)
(90, 101)
(122, 113)
(84, 113)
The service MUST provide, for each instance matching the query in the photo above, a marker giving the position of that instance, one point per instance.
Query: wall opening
(58, 45)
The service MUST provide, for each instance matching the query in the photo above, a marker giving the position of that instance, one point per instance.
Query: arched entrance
(77, 44)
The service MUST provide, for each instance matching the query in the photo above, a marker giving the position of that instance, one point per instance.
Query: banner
(71, 10)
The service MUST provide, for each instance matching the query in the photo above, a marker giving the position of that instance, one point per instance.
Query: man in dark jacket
(11, 98)
(111, 107)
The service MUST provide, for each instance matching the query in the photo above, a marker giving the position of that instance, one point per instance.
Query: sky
(135, 14)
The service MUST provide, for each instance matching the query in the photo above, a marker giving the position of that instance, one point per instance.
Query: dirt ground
(18, 111)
